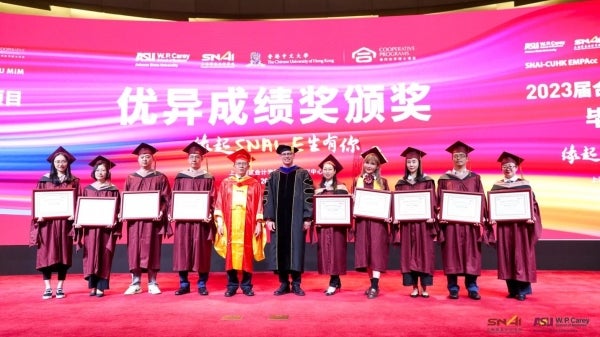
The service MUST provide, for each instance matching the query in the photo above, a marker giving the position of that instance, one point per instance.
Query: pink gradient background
(74, 71)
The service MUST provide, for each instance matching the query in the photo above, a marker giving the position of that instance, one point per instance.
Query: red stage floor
(564, 303)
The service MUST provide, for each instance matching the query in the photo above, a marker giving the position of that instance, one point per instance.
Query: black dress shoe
(521, 297)
(372, 293)
(282, 290)
(203, 291)
(511, 296)
(248, 292)
(298, 291)
(182, 291)
(474, 295)
(453, 295)
(230, 293)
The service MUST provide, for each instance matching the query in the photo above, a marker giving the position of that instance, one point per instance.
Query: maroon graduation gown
(332, 246)
(144, 237)
(371, 240)
(53, 237)
(516, 241)
(192, 246)
(416, 238)
(99, 243)
(461, 242)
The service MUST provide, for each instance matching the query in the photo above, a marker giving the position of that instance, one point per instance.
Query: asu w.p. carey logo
(543, 321)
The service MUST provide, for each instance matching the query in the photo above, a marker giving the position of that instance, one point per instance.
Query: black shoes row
(474, 295)
(285, 289)
(186, 290)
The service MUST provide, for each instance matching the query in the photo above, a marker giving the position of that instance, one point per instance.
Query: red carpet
(560, 305)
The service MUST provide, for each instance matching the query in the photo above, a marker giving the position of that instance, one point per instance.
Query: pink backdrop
(525, 81)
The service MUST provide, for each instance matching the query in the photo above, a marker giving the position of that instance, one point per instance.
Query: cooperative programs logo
(12, 53)
(384, 54)
(218, 60)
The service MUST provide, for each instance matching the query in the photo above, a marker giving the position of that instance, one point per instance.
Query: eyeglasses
(508, 167)
(241, 164)
(459, 155)
(287, 154)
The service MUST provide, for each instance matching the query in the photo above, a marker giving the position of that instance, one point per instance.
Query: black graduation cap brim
(103, 159)
(459, 147)
(193, 146)
(336, 164)
(377, 152)
(61, 150)
(507, 156)
(413, 153)
(282, 148)
(143, 146)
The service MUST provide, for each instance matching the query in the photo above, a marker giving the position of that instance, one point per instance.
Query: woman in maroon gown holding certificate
(417, 259)
(54, 237)
(516, 239)
(144, 237)
(99, 243)
(193, 243)
(371, 242)
(461, 242)
(332, 241)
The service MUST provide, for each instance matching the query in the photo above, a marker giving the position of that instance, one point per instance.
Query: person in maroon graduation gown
(516, 240)
(99, 243)
(240, 224)
(144, 237)
(193, 243)
(461, 242)
(332, 240)
(288, 213)
(371, 241)
(54, 237)
(417, 260)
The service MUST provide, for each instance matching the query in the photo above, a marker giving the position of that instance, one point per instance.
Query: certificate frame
(190, 205)
(510, 205)
(459, 206)
(373, 204)
(96, 211)
(333, 210)
(140, 205)
(53, 204)
(412, 205)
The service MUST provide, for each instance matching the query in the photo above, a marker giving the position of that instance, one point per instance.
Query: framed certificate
(59, 203)
(95, 211)
(372, 203)
(412, 205)
(462, 207)
(510, 205)
(333, 210)
(140, 205)
(190, 205)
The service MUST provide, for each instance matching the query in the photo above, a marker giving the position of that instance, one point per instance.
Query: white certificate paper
(49, 204)
(372, 203)
(333, 210)
(189, 205)
(510, 205)
(95, 211)
(461, 207)
(140, 205)
(412, 205)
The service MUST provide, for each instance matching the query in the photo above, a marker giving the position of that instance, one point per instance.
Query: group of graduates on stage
(242, 212)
